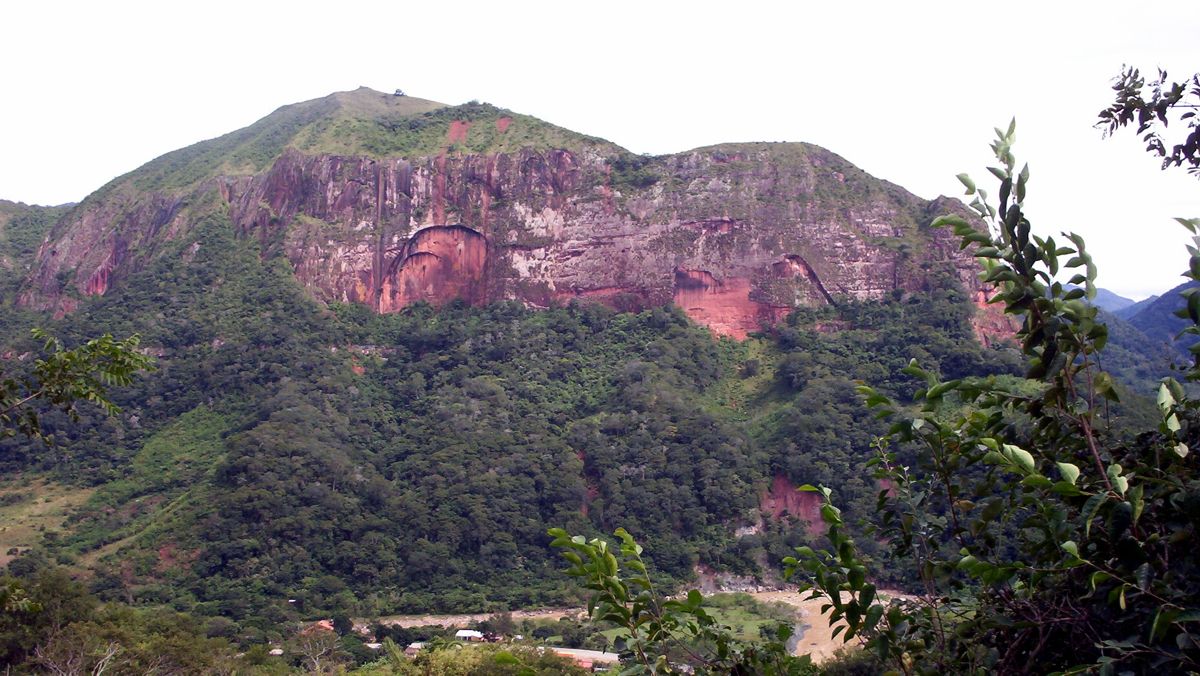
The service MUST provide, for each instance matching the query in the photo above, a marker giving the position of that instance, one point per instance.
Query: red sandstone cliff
(735, 235)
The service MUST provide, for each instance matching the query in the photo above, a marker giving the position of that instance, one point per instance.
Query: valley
(396, 342)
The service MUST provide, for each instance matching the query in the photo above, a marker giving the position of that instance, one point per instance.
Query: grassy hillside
(362, 122)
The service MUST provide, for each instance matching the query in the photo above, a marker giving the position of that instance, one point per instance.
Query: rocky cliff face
(735, 235)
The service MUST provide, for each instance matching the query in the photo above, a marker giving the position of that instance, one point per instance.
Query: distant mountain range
(1156, 318)
(1148, 327)
(1153, 316)
(1134, 308)
(1112, 302)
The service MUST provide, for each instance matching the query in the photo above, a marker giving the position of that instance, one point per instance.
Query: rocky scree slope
(389, 200)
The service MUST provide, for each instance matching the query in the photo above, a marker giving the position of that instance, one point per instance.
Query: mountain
(1158, 321)
(1129, 311)
(1110, 302)
(388, 200)
(398, 340)
(1135, 358)
(1107, 300)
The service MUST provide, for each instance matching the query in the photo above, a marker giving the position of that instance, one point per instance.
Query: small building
(592, 660)
(414, 648)
(468, 635)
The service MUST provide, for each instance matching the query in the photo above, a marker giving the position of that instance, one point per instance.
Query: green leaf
(867, 597)
(1188, 616)
(1090, 509)
(1119, 482)
(830, 514)
(1192, 224)
(1165, 399)
(1162, 621)
(1070, 473)
(1135, 499)
(874, 613)
(1064, 488)
(1172, 423)
(1022, 458)
(951, 221)
(1105, 387)
(1036, 481)
(967, 182)
(1144, 573)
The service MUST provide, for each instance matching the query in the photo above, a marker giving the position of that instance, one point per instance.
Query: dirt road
(817, 638)
(466, 619)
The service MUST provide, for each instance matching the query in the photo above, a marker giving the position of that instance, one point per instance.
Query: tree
(69, 655)
(62, 378)
(342, 624)
(1166, 100)
(319, 649)
(1046, 537)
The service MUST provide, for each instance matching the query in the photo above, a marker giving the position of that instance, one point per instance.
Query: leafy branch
(1149, 105)
(63, 377)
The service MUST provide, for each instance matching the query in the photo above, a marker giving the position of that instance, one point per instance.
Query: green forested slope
(22, 228)
(364, 463)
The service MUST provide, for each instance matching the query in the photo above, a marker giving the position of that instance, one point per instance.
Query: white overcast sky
(909, 91)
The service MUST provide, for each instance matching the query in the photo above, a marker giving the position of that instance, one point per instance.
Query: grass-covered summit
(362, 122)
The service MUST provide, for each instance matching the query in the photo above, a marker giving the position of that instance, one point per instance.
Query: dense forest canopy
(377, 463)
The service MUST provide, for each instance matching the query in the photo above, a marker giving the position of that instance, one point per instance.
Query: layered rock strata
(735, 235)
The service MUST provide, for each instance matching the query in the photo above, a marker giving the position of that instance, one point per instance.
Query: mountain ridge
(361, 190)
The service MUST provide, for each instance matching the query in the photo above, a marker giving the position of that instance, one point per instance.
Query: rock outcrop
(736, 235)
(782, 500)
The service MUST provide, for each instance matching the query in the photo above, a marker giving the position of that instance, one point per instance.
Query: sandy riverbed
(817, 639)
